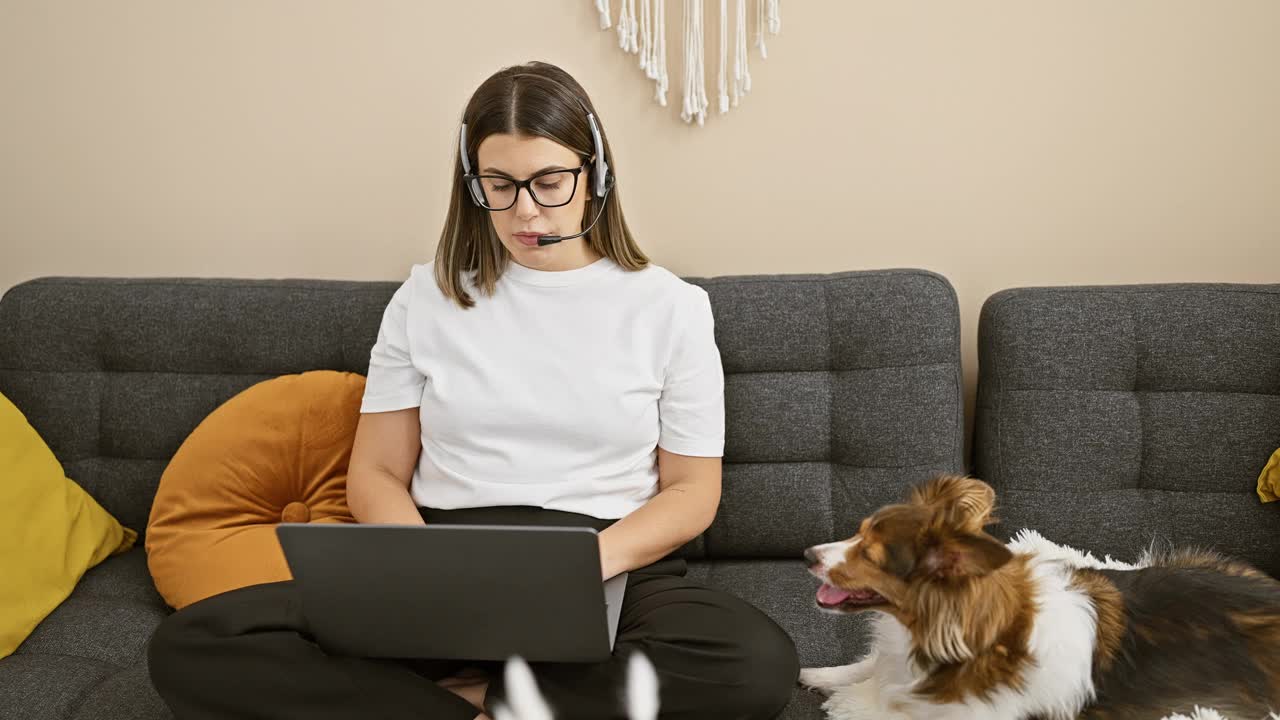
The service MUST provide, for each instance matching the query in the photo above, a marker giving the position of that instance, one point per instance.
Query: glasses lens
(499, 193)
(554, 188)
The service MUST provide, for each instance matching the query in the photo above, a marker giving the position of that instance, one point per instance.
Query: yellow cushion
(276, 452)
(51, 530)
(1269, 480)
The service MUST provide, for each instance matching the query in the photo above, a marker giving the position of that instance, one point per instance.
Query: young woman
(539, 371)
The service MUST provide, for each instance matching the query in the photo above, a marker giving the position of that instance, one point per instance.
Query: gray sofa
(1106, 417)
(840, 391)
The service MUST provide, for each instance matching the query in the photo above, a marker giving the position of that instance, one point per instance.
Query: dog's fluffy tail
(525, 702)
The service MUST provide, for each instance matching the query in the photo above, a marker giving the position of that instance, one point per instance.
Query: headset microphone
(544, 240)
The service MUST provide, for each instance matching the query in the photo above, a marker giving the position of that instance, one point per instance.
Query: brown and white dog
(971, 628)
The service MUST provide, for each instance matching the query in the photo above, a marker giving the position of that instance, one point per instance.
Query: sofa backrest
(840, 389)
(1109, 417)
(115, 373)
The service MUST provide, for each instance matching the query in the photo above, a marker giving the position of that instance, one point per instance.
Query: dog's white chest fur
(1057, 684)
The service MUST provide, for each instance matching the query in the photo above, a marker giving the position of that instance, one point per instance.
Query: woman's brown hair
(534, 99)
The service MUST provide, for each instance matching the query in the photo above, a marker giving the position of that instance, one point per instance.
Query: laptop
(465, 592)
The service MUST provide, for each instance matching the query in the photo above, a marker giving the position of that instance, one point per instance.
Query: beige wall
(998, 142)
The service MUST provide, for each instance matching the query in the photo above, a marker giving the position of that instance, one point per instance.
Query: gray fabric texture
(87, 659)
(858, 372)
(841, 390)
(1113, 417)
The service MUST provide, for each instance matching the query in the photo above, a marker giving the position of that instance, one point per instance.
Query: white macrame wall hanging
(645, 34)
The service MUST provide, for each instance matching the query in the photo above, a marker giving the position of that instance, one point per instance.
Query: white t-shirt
(556, 391)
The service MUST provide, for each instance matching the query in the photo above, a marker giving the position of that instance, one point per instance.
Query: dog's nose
(810, 557)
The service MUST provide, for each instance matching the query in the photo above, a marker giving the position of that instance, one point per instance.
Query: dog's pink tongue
(829, 595)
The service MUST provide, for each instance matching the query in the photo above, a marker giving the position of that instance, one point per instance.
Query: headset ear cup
(603, 181)
(602, 168)
(477, 193)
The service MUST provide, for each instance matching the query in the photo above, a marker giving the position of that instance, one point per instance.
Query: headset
(600, 175)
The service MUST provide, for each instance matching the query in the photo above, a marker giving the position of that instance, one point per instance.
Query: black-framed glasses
(549, 189)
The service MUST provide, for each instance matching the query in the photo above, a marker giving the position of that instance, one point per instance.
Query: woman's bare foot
(471, 691)
(465, 676)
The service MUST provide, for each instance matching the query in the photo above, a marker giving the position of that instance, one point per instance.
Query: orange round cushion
(276, 452)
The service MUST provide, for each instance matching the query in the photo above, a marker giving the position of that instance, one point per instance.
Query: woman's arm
(686, 503)
(382, 462)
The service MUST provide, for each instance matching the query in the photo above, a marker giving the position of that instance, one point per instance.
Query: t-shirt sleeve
(691, 406)
(393, 382)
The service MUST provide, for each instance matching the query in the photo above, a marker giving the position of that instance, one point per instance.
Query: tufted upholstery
(116, 373)
(1111, 416)
(840, 390)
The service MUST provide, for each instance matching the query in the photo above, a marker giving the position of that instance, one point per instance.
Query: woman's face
(521, 157)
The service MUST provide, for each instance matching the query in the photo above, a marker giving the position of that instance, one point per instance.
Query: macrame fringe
(695, 90)
(644, 33)
(627, 27)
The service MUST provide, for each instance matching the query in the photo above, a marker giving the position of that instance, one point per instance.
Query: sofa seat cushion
(125, 695)
(49, 685)
(63, 687)
(784, 590)
(121, 577)
(114, 631)
(87, 660)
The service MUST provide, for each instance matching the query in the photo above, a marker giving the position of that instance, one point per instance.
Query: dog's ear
(900, 558)
(959, 502)
(965, 555)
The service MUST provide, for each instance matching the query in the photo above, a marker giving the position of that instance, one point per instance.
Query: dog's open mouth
(830, 596)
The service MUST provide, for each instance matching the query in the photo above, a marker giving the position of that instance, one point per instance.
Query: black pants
(248, 653)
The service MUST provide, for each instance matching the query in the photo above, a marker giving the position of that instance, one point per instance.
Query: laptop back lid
(472, 592)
